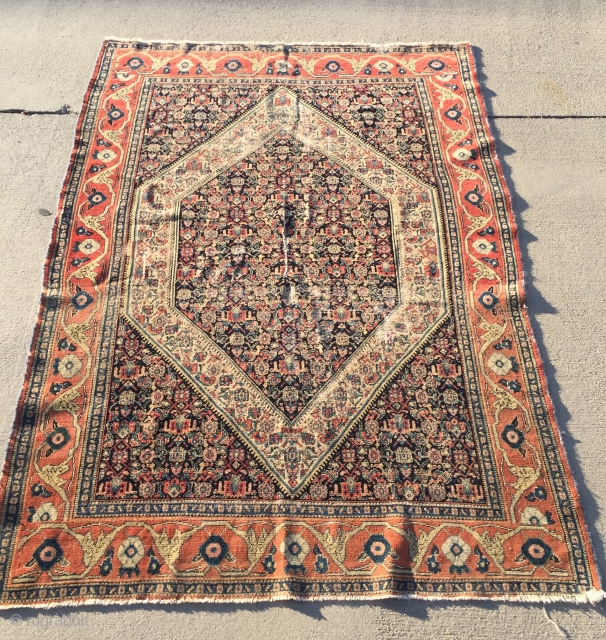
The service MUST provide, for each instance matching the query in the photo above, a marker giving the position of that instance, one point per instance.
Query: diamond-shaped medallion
(288, 270)
(286, 262)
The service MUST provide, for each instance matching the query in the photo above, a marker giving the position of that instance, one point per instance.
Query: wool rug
(282, 350)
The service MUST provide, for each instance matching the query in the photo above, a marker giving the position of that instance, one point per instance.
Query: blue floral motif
(332, 66)
(214, 550)
(66, 344)
(81, 299)
(512, 385)
(107, 565)
(58, 437)
(536, 551)
(474, 197)
(269, 563)
(512, 435)
(483, 562)
(153, 568)
(233, 65)
(114, 114)
(432, 560)
(493, 262)
(48, 554)
(39, 491)
(436, 65)
(57, 387)
(377, 548)
(135, 63)
(539, 493)
(453, 113)
(321, 564)
(488, 300)
(95, 198)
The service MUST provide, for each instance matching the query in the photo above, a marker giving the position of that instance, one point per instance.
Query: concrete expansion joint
(65, 110)
(571, 117)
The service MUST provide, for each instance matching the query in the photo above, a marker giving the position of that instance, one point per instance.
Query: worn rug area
(282, 350)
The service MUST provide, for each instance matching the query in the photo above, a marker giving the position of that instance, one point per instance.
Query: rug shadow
(538, 305)
(417, 609)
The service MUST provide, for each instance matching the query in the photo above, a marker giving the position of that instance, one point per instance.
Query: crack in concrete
(63, 111)
(67, 110)
(547, 117)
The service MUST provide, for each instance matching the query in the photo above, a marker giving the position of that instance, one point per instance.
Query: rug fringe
(381, 47)
(591, 597)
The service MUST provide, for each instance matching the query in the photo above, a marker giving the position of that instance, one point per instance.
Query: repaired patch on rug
(282, 350)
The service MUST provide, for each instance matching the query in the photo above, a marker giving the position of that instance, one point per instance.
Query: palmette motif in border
(529, 541)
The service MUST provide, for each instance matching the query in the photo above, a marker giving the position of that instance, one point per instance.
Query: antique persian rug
(282, 350)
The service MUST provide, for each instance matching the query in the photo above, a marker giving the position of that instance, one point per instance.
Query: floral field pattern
(282, 350)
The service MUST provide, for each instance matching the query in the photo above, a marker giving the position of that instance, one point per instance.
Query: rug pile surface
(282, 350)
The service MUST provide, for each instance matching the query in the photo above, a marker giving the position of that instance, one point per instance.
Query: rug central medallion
(286, 262)
(288, 270)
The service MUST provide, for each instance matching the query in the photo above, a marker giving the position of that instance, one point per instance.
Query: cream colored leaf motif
(409, 64)
(492, 331)
(483, 272)
(476, 222)
(526, 476)
(122, 94)
(456, 134)
(446, 94)
(65, 402)
(494, 546)
(413, 543)
(51, 475)
(258, 63)
(357, 64)
(308, 64)
(465, 174)
(334, 546)
(94, 222)
(504, 401)
(104, 177)
(170, 549)
(87, 271)
(77, 331)
(92, 551)
(113, 136)
(256, 546)
(160, 62)
(209, 63)
(423, 542)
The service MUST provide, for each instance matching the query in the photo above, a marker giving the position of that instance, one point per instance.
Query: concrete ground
(537, 57)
